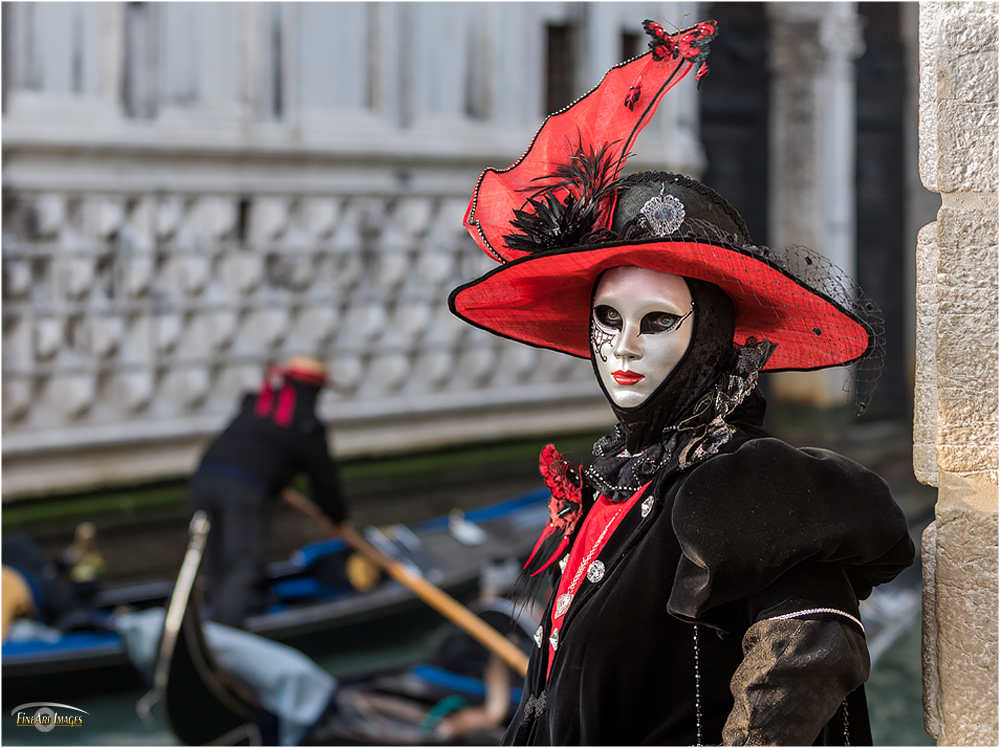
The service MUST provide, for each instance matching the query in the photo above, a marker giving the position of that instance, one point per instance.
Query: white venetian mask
(640, 329)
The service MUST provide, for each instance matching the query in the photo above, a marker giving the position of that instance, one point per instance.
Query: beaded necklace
(563, 601)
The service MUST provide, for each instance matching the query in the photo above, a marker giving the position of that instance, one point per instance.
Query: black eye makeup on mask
(651, 324)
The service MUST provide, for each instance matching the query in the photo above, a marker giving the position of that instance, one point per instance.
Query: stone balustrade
(138, 315)
(194, 190)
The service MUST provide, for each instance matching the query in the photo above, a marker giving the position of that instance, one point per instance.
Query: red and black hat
(561, 215)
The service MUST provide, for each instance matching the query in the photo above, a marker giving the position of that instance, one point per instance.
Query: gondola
(307, 602)
(203, 703)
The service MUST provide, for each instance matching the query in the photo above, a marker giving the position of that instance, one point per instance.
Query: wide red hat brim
(544, 300)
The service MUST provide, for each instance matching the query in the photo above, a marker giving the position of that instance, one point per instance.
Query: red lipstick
(627, 377)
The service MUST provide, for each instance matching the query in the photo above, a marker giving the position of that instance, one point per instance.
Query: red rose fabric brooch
(565, 509)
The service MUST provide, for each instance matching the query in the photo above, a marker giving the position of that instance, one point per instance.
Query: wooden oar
(434, 596)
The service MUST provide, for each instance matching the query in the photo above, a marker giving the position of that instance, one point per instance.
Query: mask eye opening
(650, 324)
(607, 317)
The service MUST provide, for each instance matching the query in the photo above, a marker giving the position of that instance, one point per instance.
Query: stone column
(955, 428)
(813, 48)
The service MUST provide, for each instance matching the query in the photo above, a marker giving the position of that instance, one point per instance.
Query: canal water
(894, 693)
(112, 720)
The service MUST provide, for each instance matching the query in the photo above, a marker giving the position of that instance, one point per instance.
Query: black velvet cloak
(759, 530)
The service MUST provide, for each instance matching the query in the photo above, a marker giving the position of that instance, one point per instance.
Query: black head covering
(708, 355)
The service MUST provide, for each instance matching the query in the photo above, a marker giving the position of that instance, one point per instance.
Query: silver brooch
(647, 506)
(664, 214)
(554, 639)
(596, 571)
(539, 635)
(562, 604)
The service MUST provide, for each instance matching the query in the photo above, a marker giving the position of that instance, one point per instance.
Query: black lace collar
(618, 473)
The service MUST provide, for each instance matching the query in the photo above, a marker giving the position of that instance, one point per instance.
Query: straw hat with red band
(557, 221)
(307, 370)
(276, 398)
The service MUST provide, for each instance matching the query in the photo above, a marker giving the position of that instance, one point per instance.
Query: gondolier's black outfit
(275, 436)
(706, 576)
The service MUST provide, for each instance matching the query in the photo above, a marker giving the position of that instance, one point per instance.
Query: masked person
(706, 575)
(275, 436)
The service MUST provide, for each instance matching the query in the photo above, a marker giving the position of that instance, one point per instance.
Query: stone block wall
(955, 429)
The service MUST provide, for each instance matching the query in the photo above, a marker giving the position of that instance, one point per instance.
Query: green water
(112, 720)
(893, 692)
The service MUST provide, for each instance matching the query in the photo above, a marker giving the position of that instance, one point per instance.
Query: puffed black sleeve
(770, 529)
(780, 544)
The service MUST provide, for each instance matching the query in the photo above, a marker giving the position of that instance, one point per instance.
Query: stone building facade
(193, 190)
(955, 428)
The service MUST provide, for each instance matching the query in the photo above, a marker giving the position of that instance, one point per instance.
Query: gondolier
(313, 604)
(706, 575)
(276, 435)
